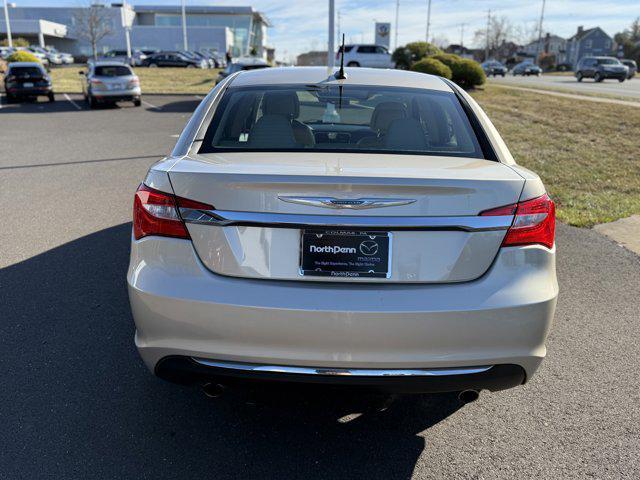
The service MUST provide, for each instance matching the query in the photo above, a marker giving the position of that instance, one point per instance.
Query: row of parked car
(103, 82)
(598, 68)
(46, 55)
(204, 58)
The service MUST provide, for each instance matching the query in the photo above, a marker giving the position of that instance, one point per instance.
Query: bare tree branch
(93, 24)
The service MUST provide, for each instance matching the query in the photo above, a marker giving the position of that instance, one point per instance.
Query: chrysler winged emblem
(349, 203)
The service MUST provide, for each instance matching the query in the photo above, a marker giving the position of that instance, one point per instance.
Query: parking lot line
(72, 102)
(151, 105)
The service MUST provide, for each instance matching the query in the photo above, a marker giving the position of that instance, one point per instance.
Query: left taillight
(156, 213)
(534, 222)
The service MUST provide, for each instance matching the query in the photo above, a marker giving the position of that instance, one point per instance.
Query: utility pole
(339, 26)
(397, 17)
(428, 19)
(486, 48)
(540, 33)
(462, 38)
(332, 36)
(6, 22)
(185, 44)
(127, 34)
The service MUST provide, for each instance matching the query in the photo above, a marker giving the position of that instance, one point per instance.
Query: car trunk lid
(423, 210)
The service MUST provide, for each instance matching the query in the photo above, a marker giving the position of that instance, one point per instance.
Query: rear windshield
(31, 71)
(113, 71)
(350, 118)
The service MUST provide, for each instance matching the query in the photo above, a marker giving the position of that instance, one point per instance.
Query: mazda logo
(368, 247)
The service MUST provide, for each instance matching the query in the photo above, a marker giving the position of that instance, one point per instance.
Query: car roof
(109, 63)
(355, 76)
(26, 64)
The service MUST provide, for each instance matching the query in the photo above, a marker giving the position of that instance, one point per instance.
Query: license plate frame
(343, 253)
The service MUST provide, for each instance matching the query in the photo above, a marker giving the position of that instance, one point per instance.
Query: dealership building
(241, 29)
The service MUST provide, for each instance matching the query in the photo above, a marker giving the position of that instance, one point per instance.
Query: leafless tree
(526, 33)
(500, 31)
(92, 24)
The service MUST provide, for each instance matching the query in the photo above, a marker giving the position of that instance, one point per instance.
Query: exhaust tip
(468, 396)
(213, 390)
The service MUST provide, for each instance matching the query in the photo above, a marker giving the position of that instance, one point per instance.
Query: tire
(153, 65)
(579, 76)
(191, 66)
(92, 103)
(137, 102)
(353, 64)
(52, 97)
(503, 75)
(9, 98)
(598, 77)
(621, 79)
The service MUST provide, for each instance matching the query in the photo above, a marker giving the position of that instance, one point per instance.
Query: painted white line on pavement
(72, 102)
(199, 97)
(151, 105)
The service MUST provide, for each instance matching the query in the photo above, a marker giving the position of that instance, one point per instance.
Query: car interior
(329, 119)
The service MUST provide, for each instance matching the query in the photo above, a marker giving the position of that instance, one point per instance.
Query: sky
(301, 25)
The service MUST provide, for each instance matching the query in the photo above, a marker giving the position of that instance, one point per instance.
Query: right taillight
(156, 213)
(534, 222)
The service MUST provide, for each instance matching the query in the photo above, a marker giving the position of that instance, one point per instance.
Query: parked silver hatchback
(369, 231)
(110, 82)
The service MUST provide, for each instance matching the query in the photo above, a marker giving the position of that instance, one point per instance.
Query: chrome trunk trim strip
(223, 218)
(349, 372)
(348, 203)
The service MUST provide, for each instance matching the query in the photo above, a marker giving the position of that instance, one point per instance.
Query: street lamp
(6, 20)
(330, 44)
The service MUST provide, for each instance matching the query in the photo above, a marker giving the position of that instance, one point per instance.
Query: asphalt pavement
(76, 402)
(568, 83)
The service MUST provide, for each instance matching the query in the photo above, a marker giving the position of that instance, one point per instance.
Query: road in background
(628, 88)
(77, 402)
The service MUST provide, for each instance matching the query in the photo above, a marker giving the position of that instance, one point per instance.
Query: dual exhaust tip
(216, 390)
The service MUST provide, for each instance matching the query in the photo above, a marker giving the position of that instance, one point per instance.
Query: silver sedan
(370, 231)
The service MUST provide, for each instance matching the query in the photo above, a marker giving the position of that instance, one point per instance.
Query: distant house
(461, 51)
(549, 44)
(593, 41)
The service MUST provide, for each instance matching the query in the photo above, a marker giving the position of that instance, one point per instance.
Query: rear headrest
(385, 113)
(272, 131)
(405, 134)
(281, 103)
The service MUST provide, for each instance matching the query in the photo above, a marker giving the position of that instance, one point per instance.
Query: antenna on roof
(339, 75)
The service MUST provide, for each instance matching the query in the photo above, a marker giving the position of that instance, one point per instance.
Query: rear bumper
(29, 92)
(117, 95)
(181, 309)
(188, 370)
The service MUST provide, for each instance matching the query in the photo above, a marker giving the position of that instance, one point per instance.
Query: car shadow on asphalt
(180, 106)
(41, 106)
(77, 401)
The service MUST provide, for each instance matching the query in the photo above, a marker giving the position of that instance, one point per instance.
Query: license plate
(338, 253)
(27, 84)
